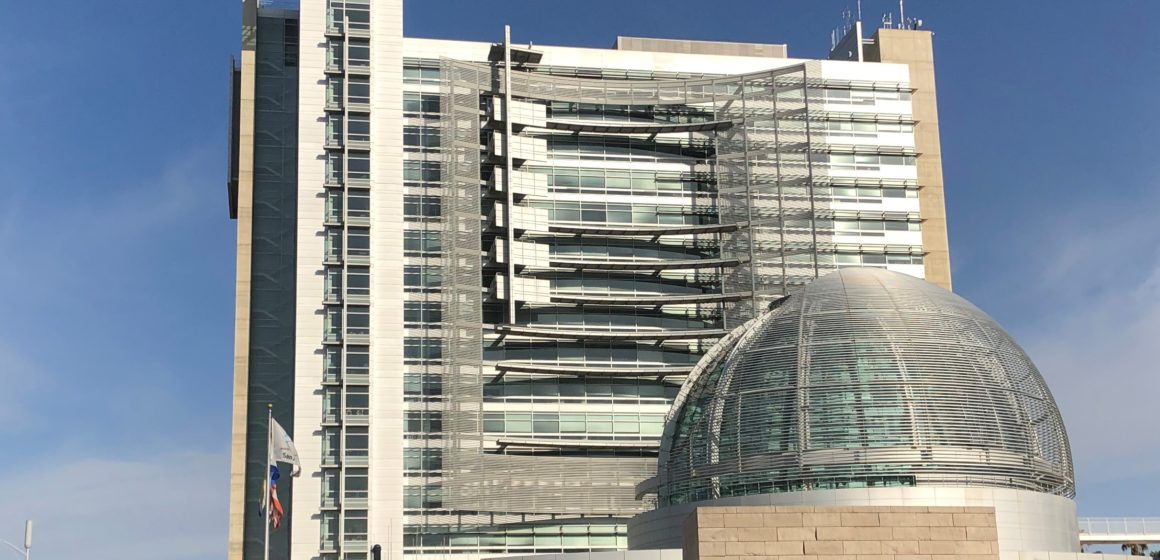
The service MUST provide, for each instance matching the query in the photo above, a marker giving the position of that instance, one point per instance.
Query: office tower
(473, 276)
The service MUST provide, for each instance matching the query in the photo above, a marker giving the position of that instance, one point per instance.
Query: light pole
(26, 552)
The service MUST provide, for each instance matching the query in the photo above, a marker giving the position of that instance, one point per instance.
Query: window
(334, 91)
(357, 444)
(422, 422)
(334, 17)
(358, 401)
(356, 487)
(358, 15)
(422, 312)
(358, 241)
(554, 423)
(422, 243)
(417, 497)
(332, 284)
(329, 529)
(422, 459)
(358, 320)
(422, 206)
(358, 281)
(330, 482)
(418, 278)
(420, 384)
(873, 227)
(879, 260)
(423, 138)
(333, 211)
(332, 364)
(358, 53)
(332, 324)
(330, 399)
(359, 90)
(358, 362)
(422, 349)
(358, 166)
(330, 445)
(866, 161)
(334, 169)
(334, 130)
(358, 127)
(420, 103)
(358, 204)
(334, 55)
(578, 389)
(421, 172)
(354, 525)
(425, 74)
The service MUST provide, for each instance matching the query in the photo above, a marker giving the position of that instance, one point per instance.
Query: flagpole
(266, 485)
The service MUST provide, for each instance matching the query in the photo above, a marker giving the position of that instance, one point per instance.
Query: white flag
(282, 448)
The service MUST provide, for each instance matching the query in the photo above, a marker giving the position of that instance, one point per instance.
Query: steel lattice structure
(865, 378)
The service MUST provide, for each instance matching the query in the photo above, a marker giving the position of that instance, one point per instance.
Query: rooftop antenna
(859, 10)
(902, 13)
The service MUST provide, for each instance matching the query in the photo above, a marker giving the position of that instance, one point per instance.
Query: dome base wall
(1025, 521)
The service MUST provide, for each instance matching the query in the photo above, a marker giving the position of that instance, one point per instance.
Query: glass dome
(866, 378)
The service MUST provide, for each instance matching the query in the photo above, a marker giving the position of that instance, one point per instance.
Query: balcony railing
(1119, 530)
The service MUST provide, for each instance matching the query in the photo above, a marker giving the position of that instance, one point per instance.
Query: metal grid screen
(766, 180)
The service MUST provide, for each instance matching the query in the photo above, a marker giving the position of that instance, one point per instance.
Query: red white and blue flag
(275, 505)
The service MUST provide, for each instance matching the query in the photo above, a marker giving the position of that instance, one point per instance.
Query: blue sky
(116, 278)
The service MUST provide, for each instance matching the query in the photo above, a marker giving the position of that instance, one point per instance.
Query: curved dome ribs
(865, 378)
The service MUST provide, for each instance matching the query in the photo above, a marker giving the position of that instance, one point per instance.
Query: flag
(282, 448)
(275, 505)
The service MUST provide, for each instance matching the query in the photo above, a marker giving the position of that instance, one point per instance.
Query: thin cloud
(1100, 361)
(1086, 307)
(104, 338)
(21, 378)
(171, 506)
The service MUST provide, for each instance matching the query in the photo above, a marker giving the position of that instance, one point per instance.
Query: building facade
(472, 277)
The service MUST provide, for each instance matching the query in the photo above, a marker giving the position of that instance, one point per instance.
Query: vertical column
(752, 233)
(386, 401)
(245, 212)
(309, 310)
(507, 174)
(915, 49)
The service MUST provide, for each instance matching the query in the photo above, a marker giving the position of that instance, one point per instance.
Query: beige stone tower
(914, 48)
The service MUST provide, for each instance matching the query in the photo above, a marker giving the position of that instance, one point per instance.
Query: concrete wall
(306, 526)
(841, 533)
(245, 217)
(386, 432)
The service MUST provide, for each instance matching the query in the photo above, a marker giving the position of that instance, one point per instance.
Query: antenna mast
(902, 13)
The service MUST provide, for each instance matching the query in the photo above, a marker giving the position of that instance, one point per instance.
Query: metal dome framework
(866, 378)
